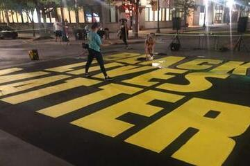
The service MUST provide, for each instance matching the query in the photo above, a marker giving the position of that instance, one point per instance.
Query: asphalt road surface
(180, 111)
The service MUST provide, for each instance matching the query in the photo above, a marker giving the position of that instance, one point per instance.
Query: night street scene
(124, 82)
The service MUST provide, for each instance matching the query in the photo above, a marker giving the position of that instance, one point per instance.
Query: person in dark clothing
(124, 33)
(95, 52)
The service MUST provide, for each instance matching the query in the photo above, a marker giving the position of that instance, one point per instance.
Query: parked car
(7, 32)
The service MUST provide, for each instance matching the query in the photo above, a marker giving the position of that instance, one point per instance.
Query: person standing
(58, 30)
(66, 35)
(124, 33)
(95, 52)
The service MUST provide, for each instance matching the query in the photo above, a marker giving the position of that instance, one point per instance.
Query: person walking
(95, 43)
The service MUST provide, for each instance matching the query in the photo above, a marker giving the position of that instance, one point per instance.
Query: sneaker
(86, 75)
(107, 78)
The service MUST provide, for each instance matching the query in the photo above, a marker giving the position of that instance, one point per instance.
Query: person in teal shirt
(95, 43)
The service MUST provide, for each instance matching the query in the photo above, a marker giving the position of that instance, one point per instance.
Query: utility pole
(158, 19)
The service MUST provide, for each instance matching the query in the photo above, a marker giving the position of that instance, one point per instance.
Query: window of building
(113, 14)
(153, 15)
(1, 17)
(72, 16)
(163, 14)
(218, 17)
(146, 14)
(66, 14)
(168, 15)
(81, 15)
(92, 14)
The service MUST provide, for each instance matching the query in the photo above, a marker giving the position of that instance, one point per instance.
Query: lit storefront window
(151, 15)
(81, 15)
(72, 16)
(113, 14)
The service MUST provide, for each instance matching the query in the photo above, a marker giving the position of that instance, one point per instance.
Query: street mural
(196, 108)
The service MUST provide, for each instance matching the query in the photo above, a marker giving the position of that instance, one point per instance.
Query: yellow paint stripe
(8, 71)
(70, 84)
(16, 77)
(81, 102)
(21, 86)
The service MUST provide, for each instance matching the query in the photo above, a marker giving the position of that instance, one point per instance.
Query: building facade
(210, 12)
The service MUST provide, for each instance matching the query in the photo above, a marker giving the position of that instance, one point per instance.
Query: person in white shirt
(58, 29)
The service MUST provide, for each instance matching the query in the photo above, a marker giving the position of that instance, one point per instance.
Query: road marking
(199, 64)
(214, 138)
(8, 71)
(107, 91)
(124, 71)
(226, 67)
(95, 68)
(66, 68)
(197, 82)
(25, 85)
(17, 77)
(242, 70)
(70, 84)
(105, 121)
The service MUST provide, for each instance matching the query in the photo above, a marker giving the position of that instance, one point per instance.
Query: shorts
(58, 33)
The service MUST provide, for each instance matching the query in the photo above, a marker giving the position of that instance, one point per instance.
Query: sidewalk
(114, 40)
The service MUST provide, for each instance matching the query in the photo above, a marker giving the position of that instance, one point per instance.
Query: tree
(7, 5)
(185, 6)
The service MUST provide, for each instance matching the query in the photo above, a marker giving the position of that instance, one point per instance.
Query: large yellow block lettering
(62, 69)
(120, 56)
(217, 123)
(166, 61)
(146, 79)
(197, 82)
(199, 64)
(70, 84)
(16, 77)
(124, 70)
(164, 73)
(107, 91)
(25, 85)
(8, 71)
(95, 68)
(106, 122)
(227, 67)
(242, 70)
